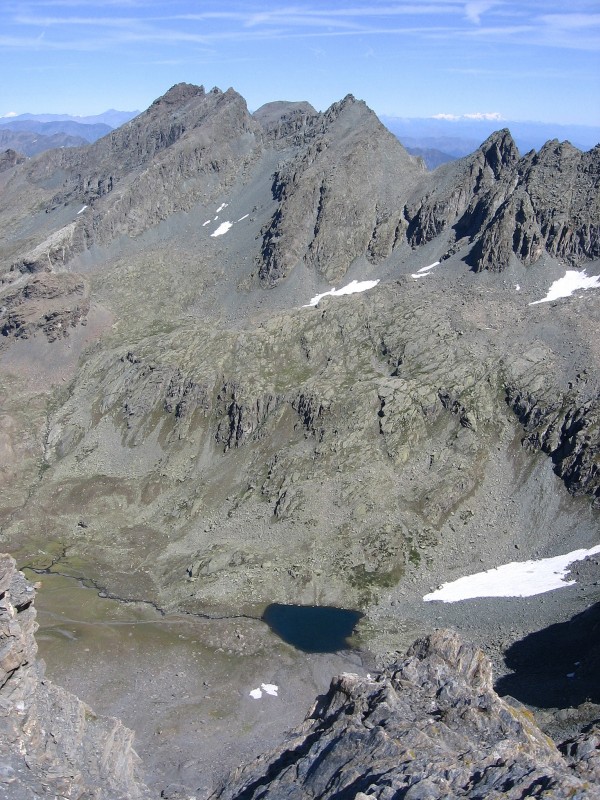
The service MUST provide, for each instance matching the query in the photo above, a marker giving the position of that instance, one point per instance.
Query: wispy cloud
(475, 9)
(114, 23)
(488, 116)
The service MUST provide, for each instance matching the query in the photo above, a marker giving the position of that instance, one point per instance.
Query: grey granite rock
(427, 728)
(52, 744)
(339, 197)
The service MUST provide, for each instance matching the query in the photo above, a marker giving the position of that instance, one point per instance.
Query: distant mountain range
(89, 132)
(112, 118)
(459, 137)
(30, 134)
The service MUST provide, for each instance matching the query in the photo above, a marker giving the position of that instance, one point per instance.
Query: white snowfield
(221, 207)
(564, 287)
(517, 579)
(81, 210)
(223, 228)
(421, 273)
(352, 288)
(267, 688)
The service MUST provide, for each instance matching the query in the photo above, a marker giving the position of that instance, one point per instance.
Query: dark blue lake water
(313, 629)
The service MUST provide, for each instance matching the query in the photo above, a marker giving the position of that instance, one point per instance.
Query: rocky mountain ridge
(430, 726)
(494, 198)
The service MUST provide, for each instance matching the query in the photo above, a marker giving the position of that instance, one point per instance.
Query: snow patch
(223, 228)
(517, 287)
(421, 273)
(352, 288)
(81, 210)
(267, 688)
(221, 207)
(244, 217)
(564, 287)
(517, 579)
(208, 221)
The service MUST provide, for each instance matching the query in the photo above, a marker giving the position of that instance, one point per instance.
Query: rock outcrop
(340, 196)
(50, 304)
(567, 428)
(427, 728)
(513, 207)
(287, 124)
(10, 158)
(547, 203)
(451, 199)
(50, 742)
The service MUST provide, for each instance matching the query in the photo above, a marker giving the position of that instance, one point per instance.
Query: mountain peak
(500, 150)
(180, 93)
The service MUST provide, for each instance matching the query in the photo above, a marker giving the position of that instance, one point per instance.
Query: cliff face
(512, 207)
(340, 197)
(50, 742)
(427, 728)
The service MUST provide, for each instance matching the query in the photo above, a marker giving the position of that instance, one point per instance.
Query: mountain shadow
(558, 666)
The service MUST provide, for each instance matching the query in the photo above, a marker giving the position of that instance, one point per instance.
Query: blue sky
(519, 60)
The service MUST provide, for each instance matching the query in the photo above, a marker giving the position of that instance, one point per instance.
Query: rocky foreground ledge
(52, 744)
(428, 728)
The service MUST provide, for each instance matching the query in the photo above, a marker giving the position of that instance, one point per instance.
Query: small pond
(312, 629)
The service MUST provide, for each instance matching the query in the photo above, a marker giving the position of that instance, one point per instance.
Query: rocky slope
(340, 197)
(51, 742)
(205, 413)
(430, 726)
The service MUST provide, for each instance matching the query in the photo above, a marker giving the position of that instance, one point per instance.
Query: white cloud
(491, 115)
(488, 116)
(9, 114)
(475, 8)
